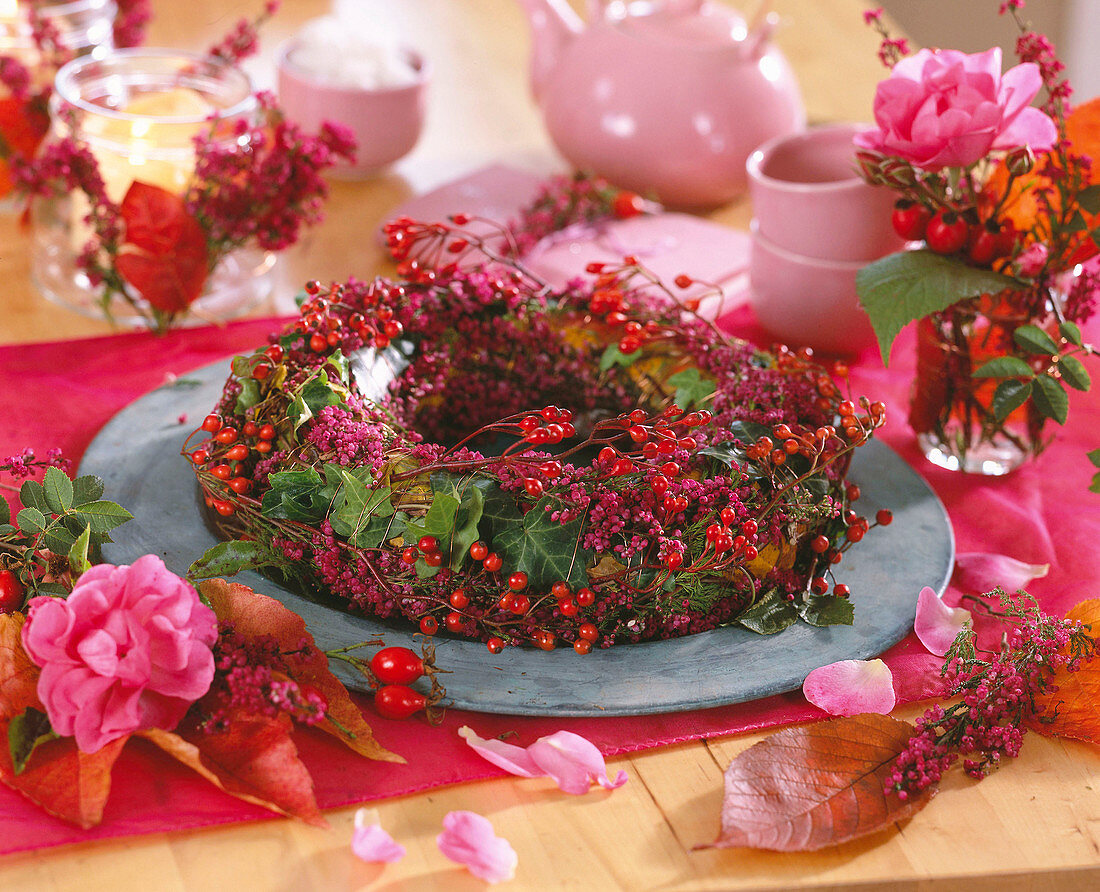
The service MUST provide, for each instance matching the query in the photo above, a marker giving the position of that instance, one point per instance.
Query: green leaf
(1050, 398)
(33, 495)
(1004, 367)
(249, 395)
(1089, 199)
(691, 388)
(297, 495)
(355, 504)
(241, 367)
(1074, 373)
(1034, 340)
(438, 522)
(903, 287)
(1077, 223)
(748, 432)
(87, 489)
(1094, 457)
(31, 520)
(102, 516)
(341, 365)
(59, 490)
(1071, 332)
(230, 558)
(467, 518)
(1095, 485)
(772, 613)
(1009, 396)
(26, 732)
(614, 356)
(827, 611)
(59, 540)
(78, 554)
(381, 529)
(545, 550)
(5, 513)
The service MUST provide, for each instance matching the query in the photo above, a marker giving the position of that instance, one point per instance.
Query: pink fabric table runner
(60, 394)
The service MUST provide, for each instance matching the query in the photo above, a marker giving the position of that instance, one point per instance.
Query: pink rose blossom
(468, 839)
(944, 108)
(128, 649)
(851, 687)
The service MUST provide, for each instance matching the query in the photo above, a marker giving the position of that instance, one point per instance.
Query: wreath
(464, 447)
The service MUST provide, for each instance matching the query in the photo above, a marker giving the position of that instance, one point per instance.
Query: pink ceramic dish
(807, 302)
(808, 198)
(386, 120)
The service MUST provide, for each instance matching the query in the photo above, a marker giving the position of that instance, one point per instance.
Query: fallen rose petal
(513, 759)
(936, 624)
(979, 571)
(573, 762)
(851, 687)
(370, 842)
(468, 839)
(917, 677)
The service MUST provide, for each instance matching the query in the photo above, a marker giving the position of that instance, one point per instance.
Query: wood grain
(1034, 825)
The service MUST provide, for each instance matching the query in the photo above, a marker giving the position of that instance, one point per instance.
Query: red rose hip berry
(947, 233)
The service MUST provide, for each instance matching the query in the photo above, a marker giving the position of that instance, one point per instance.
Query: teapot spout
(553, 25)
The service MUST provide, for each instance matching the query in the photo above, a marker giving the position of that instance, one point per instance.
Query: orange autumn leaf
(1022, 209)
(817, 785)
(62, 780)
(253, 758)
(1074, 709)
(253, 614)
(18, 675)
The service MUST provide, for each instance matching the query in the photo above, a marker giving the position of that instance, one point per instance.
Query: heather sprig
(996, 694)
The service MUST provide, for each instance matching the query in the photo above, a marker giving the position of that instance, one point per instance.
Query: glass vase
(950, 410)
(83, 27)
(138, 111)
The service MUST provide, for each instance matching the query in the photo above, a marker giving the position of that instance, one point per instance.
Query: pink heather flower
(369, 842)
(468, 839)
(872, 15)
(944, 108)
(130, 648)
(978, 571)
(851, 687)
(1032, 260)
(571, 761)
(936, 624)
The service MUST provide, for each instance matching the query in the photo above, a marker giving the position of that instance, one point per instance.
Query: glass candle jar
(138, 112)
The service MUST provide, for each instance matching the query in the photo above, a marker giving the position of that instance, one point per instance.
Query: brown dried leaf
(67, 783)
(253, 614)
(816, 785)
(18, 675)
(1075, 707)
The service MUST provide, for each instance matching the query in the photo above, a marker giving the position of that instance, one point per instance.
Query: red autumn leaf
(1074, 709)
(18, 675)
(253, 759)
(22, 125)
(252, 615)
(817, 785)
(67, 783)
(164, 252)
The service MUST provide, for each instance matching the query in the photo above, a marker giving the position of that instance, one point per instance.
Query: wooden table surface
(1034, 825)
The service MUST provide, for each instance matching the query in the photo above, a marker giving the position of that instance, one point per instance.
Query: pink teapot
(666, 98)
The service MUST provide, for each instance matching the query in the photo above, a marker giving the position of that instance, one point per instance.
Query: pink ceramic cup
(386, 120)
(808, 198)
(805, 301)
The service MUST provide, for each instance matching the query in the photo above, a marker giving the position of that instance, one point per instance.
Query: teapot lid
(684, 21)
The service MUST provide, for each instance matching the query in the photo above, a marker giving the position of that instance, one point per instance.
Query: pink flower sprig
(24, 464)
(244, 40)
(892, 49)
(997, 695)
(131, 19)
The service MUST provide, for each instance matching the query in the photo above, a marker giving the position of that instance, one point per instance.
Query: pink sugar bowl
(329, 72)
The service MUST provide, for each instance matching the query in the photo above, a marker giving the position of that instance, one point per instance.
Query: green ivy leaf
(381, 529)
(909, 285)
(1050, 398)
(26, 732)
(614, 356)
(691, 388)
(59, 490)
(1094, 457)
(827, 610)
(78, 554)
(86, 489)
(356, 503)
(249, 395)
(1034, 340)
(438, 522)
(5, 513)
(467, 518)
(230, 558)
(770, 614)
(1071, 332)
(1009, 396)
(31, 520)
(1074, 373)
(33, 495)
(341, 365)
(1089, 199)
(1004, 367)
(545, 550)
(297, 495)
(241, 367)
(1095, 485)
(102, 516)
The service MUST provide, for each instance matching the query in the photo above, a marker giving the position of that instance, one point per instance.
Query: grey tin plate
(137, 455)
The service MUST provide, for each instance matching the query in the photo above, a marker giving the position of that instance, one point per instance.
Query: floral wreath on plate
(383, 450)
